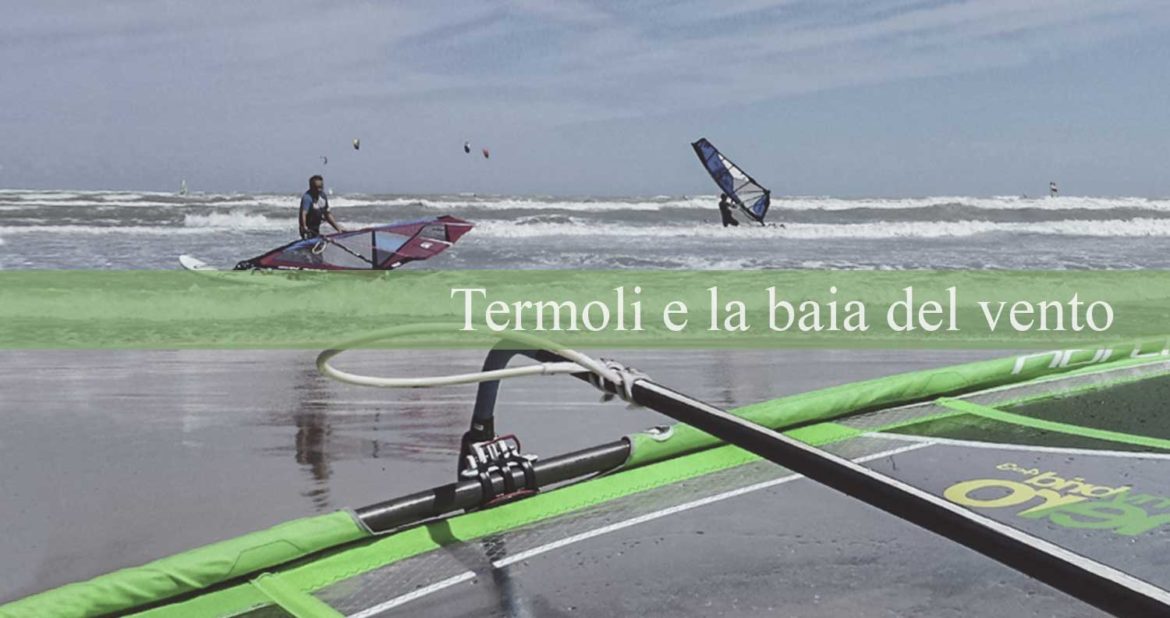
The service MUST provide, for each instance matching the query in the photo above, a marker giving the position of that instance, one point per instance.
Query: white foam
(28, 204)
(94, 230)
(456, 202)
(121, 197)
(271, 201)
(533, 204)
(958, 229)
(291, 200)
(812, 231)
(40, 195)
(238, 221)
(986, 203)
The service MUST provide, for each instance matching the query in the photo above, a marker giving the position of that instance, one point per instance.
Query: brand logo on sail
(1067, 502)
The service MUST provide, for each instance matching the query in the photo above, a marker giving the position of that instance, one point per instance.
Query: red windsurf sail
(383, 247)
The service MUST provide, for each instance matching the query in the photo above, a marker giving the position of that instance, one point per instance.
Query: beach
(115, 458)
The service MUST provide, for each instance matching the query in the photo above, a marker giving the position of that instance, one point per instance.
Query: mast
(1085, 579)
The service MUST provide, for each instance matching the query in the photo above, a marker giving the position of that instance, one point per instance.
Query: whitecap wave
(986, 203)
(27, 204)
(238, 221)
(122, 197)
(38, 195)
(291, 200)
(814, 231)
(96, 230)
(569, 205)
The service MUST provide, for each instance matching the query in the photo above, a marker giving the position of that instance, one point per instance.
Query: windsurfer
(725, 211)
(315, 209)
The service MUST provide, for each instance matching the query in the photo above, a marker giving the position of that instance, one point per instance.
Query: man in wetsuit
(725, 211)
(315, 209)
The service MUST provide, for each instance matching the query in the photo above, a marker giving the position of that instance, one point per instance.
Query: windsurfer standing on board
(315, 208)
(725, 211)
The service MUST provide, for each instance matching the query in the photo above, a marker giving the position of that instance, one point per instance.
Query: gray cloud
(248, 95)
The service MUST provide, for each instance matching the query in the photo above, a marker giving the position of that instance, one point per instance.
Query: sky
(812, 97)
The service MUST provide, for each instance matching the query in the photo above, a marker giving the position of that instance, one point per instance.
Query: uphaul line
(806, 316)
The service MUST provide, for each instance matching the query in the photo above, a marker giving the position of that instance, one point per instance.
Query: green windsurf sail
(1068, 449)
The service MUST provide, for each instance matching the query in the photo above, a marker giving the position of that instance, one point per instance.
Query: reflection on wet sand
(313, 430)
(401, 426)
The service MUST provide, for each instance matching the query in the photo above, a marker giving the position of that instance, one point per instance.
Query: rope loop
(600, 371)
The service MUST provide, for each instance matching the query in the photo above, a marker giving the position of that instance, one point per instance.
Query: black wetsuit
(725, 212)
(315, 210)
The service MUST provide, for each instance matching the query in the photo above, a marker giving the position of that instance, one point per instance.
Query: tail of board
(195, 264)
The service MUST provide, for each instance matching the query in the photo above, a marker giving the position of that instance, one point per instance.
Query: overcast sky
(813, 97)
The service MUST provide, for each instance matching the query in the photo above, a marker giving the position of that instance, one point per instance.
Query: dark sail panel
(749, 195)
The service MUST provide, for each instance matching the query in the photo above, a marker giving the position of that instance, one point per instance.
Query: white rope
(627, 376)
(607, 370)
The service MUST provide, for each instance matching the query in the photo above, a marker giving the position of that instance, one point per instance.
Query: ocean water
(88, 229)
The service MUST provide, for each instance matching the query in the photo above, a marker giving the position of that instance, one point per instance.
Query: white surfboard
(280, 279)
(195, 264)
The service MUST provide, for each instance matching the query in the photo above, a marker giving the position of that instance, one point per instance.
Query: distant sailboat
(183, 187)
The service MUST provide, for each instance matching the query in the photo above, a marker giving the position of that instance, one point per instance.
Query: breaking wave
(813, 231)
(238, 221)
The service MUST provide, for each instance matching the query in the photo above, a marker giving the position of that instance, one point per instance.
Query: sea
(142, 230)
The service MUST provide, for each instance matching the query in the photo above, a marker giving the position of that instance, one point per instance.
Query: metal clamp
(500, 455)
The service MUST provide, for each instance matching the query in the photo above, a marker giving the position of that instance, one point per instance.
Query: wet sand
(114, 458)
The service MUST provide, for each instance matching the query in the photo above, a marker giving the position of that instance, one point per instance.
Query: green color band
(1053, 426)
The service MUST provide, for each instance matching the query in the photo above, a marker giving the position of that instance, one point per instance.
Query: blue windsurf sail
(749, 195)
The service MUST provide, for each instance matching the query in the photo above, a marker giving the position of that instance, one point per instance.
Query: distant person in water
(725, 211)
(315, 209)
